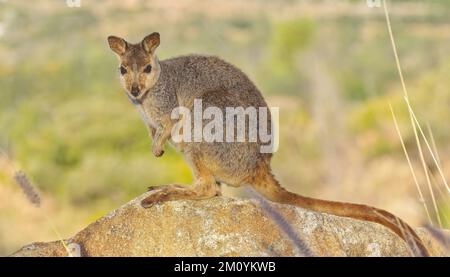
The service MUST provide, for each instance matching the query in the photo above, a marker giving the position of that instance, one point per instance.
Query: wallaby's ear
(118, 45)
(150, 42)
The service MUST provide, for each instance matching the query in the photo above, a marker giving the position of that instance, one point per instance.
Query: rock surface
(225, 227)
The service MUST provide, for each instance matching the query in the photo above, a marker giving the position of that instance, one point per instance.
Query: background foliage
(328, 65)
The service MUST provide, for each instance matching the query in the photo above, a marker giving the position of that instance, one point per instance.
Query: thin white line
(422, 199)
(414, 121)
(428, 145)
(405, 91)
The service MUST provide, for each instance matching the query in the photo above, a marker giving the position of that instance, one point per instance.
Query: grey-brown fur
(218, 84)
(177, 82)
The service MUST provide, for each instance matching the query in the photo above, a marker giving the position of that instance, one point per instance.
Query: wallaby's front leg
(160, 137)
(152, 132)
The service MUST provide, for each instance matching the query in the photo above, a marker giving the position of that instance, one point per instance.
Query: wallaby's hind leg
(204, 187)
(265, 183)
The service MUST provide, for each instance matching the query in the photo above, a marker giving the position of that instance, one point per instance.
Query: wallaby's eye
(123, 70)
(148, 69)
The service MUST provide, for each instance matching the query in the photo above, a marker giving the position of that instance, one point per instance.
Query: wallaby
(158, 87)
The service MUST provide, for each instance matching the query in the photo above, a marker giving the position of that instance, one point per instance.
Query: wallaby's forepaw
(158, 152)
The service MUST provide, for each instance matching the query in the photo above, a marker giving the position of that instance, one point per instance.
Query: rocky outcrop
(226, 227)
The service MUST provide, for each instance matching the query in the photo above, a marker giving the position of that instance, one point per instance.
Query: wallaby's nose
(135, 90)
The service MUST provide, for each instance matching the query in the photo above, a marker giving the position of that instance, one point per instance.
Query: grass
(413, 173)
(32, 195)
(415, 126)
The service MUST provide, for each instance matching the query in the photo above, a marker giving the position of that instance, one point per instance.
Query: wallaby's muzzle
(135, 90)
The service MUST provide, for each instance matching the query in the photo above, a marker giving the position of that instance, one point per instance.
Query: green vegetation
(66, 121)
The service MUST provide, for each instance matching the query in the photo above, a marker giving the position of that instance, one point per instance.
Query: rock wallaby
(158, 87)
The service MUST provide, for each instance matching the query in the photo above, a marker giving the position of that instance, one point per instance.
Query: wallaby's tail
(272, 190)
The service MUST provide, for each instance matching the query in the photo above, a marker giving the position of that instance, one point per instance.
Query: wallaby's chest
(146, 116)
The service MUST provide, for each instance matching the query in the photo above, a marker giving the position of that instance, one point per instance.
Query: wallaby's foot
(152, 188)
(178, 192)
(165, 193)
(205, 186)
